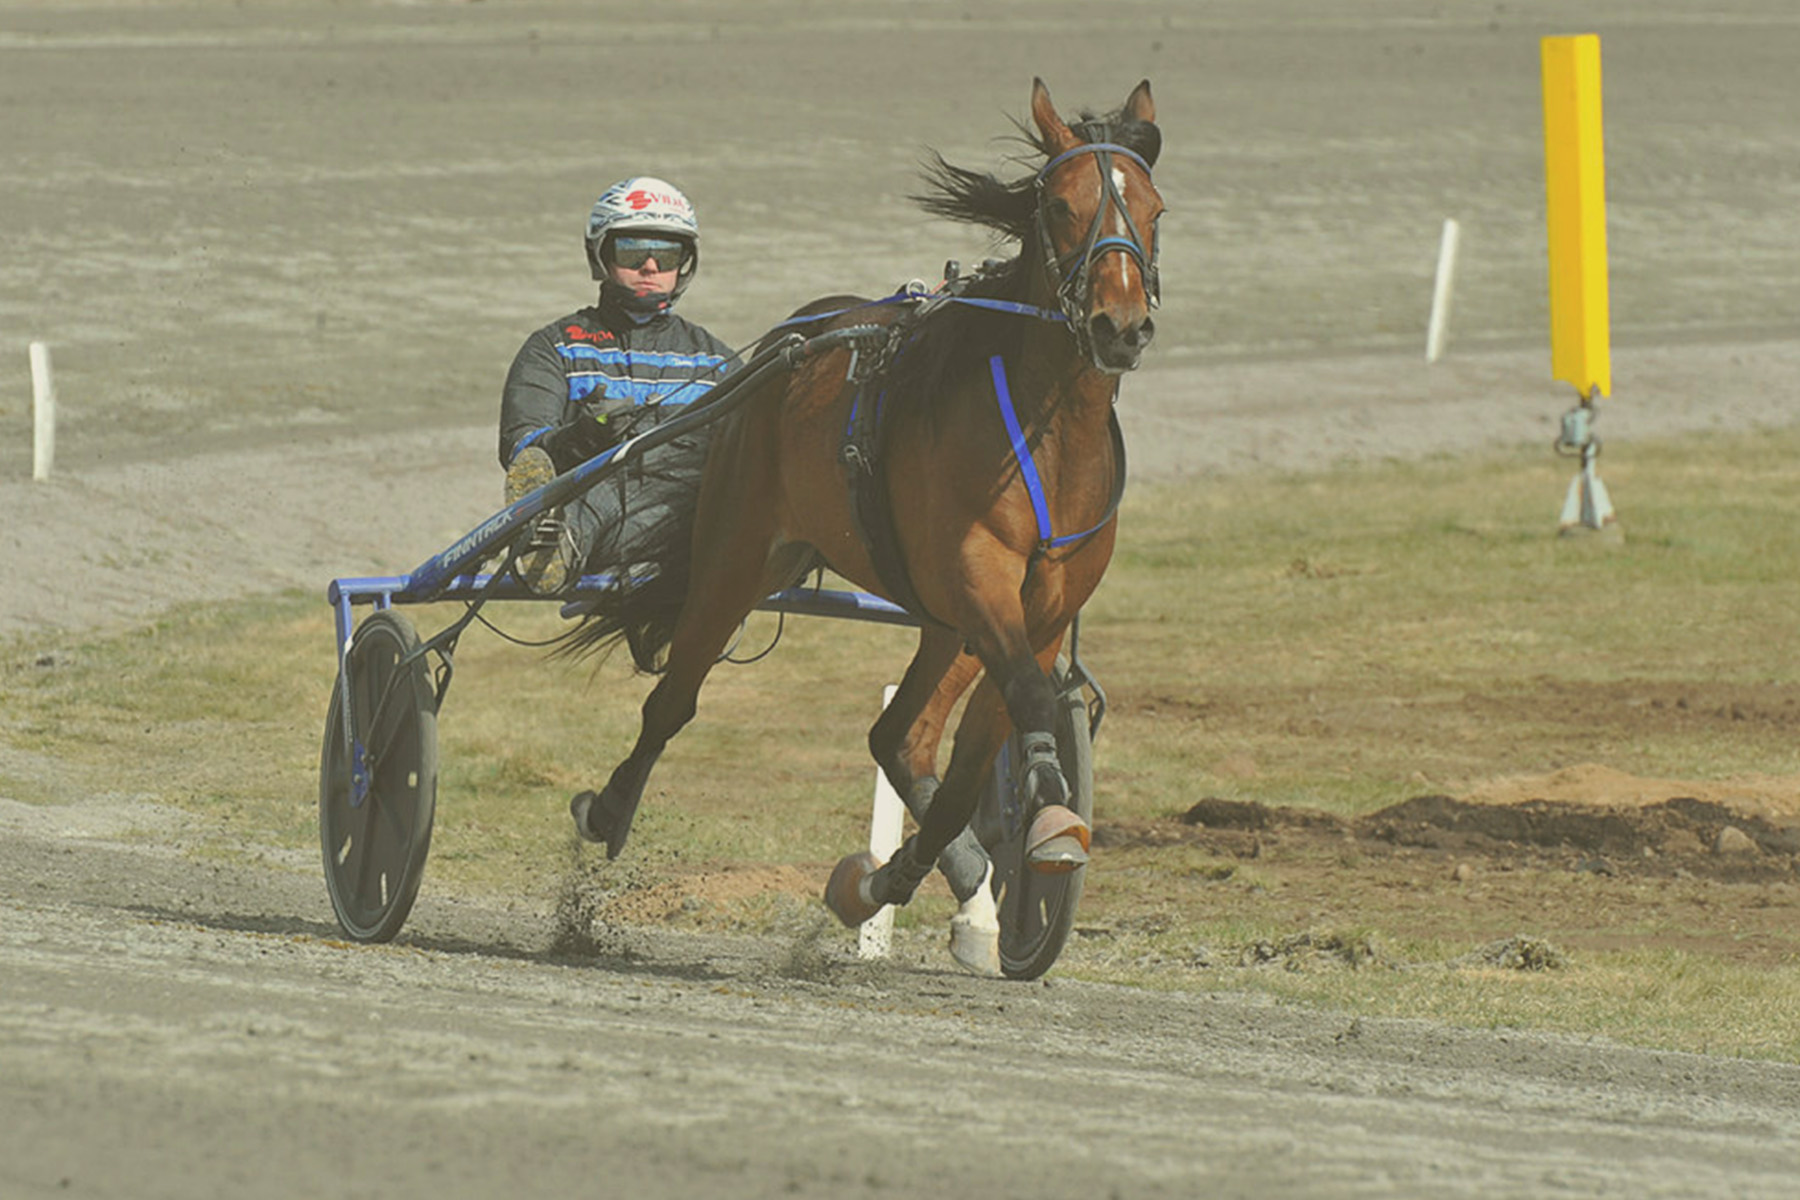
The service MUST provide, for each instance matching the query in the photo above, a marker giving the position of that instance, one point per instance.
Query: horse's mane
(1010, 208)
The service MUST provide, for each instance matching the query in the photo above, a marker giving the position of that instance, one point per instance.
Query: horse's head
(1096, 220)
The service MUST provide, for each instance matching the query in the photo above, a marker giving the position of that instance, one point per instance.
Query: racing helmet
(647, 205)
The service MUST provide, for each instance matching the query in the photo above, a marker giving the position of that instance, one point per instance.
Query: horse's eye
(1059, 208)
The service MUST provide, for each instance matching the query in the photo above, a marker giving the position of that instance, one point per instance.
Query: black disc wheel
(378, 779)
(1037, 911)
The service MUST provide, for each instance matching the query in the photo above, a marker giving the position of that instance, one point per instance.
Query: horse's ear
(1057, 136)
(1139, 106)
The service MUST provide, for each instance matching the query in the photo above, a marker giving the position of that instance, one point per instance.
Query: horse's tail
(641, 615)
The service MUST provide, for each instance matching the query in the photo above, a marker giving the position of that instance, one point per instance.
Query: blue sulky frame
(1036, 912)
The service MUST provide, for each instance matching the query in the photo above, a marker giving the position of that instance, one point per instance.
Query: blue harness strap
(1028, 472)
(1034, 487)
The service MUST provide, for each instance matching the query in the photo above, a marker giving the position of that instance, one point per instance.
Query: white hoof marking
(975, 931)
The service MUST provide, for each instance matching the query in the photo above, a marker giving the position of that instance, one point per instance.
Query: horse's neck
(1064, 405)
(1059, 384)
(1065, 383)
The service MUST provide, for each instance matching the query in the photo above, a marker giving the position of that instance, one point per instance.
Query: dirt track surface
(171, 1030)
(282, 253)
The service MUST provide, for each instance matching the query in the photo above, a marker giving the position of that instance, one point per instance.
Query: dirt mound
(1727, 832)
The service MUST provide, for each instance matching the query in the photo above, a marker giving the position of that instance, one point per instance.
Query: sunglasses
(632, 253)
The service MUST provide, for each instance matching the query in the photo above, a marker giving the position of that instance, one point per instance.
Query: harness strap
(1093, 148)
(904, 296)
(861, 450)
(1028, 472)
(1034, 487)
(1009, 306)
(869, 507)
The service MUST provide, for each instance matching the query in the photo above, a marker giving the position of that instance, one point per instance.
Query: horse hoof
(1058, 841)
(604, 822)
(975, 949)
(847, 891)
(975, 932)
(579, 807)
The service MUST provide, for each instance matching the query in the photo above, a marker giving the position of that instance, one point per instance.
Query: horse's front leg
(1016, 693)
(1057, 840)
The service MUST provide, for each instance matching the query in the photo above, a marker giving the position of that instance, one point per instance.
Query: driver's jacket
(599, 363)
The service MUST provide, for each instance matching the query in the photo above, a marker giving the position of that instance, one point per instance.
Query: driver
(580, 385)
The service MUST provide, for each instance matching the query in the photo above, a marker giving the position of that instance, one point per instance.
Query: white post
(1440, 294)
(43, 412)
(875, 937)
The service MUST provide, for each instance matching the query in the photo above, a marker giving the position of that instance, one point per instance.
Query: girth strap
(865, 464)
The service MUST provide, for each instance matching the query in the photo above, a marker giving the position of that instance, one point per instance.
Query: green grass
(1342, 639)
(1380, 597)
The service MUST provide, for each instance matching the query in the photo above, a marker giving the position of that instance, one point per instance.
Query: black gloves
(573, 444)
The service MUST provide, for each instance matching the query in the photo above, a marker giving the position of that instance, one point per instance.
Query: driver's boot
(546, 564)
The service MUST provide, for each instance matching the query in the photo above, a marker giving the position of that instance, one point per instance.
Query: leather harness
(863, 453)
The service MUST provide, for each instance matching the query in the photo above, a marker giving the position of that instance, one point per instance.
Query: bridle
(1074, 288)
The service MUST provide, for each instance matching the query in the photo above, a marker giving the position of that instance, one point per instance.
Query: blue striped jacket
(588, 367)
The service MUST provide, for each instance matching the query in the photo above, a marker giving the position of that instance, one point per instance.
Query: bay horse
(999, 471)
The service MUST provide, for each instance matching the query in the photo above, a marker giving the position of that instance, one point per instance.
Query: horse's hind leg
(606, 816)
(718, 601)
(735, 564)
(904, 741)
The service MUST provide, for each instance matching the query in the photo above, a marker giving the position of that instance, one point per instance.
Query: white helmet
(643, 204)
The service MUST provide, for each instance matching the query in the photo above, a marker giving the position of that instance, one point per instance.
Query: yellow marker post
(1575, 173)
(1580, 318)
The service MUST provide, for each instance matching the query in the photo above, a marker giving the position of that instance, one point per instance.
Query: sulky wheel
(378, 790)
(1036, 910)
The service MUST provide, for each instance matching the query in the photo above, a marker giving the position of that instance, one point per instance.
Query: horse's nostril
(1146, 332)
